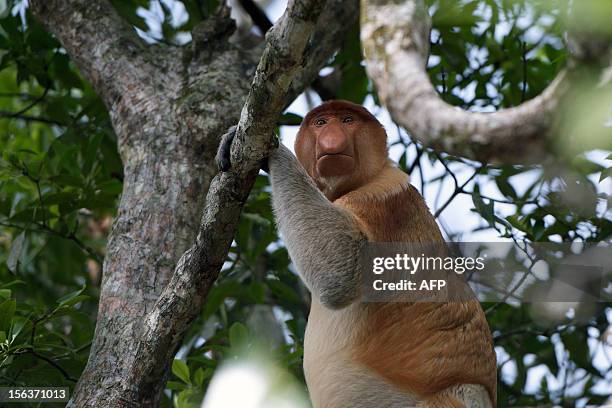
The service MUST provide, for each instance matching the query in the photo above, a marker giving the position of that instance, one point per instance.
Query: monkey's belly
(334, 380)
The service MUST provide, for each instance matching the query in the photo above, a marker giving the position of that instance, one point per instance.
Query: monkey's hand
(223, 157)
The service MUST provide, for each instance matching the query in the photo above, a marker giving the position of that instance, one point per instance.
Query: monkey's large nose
(332, 141)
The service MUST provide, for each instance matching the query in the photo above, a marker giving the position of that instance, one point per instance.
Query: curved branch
(395, 36)
(104, 47)
(198, 268)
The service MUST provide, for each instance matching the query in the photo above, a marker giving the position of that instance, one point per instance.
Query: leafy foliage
(60, 177)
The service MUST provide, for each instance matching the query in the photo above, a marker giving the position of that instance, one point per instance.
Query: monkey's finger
(223, 164)
(222, 158)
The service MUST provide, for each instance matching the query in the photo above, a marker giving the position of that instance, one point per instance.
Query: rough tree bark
(169, 106)
(395, 36)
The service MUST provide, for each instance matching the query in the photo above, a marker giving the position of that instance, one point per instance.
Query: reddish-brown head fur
(342, 146)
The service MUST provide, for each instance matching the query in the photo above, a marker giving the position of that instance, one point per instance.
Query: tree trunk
(169, 106)
(168, 125)
(167, 150)
(167, 143)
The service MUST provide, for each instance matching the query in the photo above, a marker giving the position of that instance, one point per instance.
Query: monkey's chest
(327, 354)
(331, 332)
(334, 378)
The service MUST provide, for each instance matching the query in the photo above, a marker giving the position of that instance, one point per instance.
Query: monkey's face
(334, 136)
(340, 149)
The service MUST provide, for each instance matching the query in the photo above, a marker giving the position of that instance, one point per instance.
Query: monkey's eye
(320, 122)
(347, 119)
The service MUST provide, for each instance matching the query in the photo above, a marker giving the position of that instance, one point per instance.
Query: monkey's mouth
(333, 155)
(337, 164)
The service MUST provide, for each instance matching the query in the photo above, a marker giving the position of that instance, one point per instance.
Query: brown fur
(337, 106)
(400, 216)
(423, 348)
(444, 401)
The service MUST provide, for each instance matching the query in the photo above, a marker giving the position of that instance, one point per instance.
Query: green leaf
(60, 198)
(74, 300)
(486, 210)
(219, 293)
(16, 249)
(199, 377)
(538, 229)
(257, 291)
(577, 346)
(5, 294)
(256, 218)
(284, 291)
(127, 10)
(62, 69)
(505, 187)
(4, 9)
(7, 311)
(18, 324)
(605, 174)
(290, 119)
(69, 299)
(180, 369)
(518, 223)
(111, 187)
(175, 386)
(66, 179)
(585, 166)
(238, 335)
(12, 283)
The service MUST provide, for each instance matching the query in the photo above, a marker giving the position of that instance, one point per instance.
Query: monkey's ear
(222, 158)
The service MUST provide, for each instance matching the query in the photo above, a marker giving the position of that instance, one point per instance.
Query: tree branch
(104, 47)
(28, 118)
(51, 363)
(338, 19)
(395, 36)
(196, 271)
(260, 19)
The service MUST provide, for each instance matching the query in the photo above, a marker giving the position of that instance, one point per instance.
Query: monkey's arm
(323, 240)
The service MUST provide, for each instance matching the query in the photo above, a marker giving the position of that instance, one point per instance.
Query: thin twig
(51, 363)
(41, 228)
(455, 194)
(524, 60)
(30, 106)
(28, 118)
(519, 283)
(260, 19)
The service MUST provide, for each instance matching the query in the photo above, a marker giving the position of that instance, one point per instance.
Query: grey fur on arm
(323, 240)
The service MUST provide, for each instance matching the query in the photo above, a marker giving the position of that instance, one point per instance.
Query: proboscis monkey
(340, 193)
